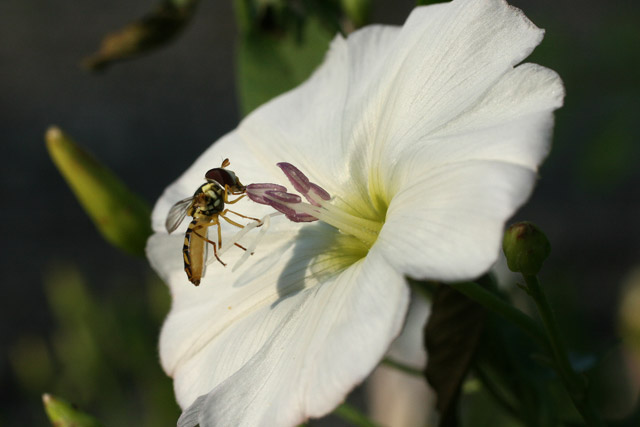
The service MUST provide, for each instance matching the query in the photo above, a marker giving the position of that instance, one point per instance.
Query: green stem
(498, 306)
(575, 384)
(353, 416)
(402, 367)
(494, 391)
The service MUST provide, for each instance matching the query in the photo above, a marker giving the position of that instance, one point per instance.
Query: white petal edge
(321, 342)
(448, 225)
(383, 89)
(314, 125)
(511, 123)
(199, 314)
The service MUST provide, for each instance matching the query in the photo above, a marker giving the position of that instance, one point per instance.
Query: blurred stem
(494, 391)
(496, 305)
(575, 384)
(353, 416)
(402, 367)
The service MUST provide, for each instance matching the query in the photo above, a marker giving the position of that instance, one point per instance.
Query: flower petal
(287, 329)
(448, 225)
(511, 123)
(227, 294)
(313, 125)
(378, 92)
(383, 90)
(504, 134)
(448, 55)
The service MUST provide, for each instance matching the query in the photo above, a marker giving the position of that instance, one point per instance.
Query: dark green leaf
(272, 63)
(451, 337)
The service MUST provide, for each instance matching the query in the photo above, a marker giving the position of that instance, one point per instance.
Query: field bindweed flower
(402, 156)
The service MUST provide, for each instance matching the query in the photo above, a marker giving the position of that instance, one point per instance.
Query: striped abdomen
(193, 252)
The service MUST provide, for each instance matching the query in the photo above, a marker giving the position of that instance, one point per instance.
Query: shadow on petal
(321, 253)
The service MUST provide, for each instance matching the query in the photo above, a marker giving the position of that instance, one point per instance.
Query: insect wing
(177, 213)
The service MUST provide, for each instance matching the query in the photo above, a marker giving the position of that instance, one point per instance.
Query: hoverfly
(206, 206)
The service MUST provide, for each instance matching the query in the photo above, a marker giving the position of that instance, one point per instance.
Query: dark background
(148, 120)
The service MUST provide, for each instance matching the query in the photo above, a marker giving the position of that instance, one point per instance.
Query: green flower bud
(123, 218)
(154, 30)
(63, 414)
(526, 247)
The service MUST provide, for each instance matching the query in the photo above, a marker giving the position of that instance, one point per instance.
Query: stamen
(299, 180)
(260, 189)
(229, 243)
(318, 208)
(277, 197)
(266, 221)
(302, 184)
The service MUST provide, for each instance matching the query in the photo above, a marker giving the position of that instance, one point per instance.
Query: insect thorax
(208, 200)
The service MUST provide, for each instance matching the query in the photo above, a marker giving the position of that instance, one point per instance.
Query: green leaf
(63, 414)
(270, 63)
(154, 30)
(358, 11)
(452, 335)
(353, 416)
(122, 218)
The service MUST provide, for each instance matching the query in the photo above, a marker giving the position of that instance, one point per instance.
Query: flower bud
(63, 414)
(525, 247)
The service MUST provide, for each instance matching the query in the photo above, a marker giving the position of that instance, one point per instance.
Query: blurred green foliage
(64, 414)
(611, 155)
(123, 218)
(280, 44)
(272, 64)
(150, 32)
(102, 353)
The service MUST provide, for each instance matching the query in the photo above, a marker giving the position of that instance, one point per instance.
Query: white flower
(427, 137)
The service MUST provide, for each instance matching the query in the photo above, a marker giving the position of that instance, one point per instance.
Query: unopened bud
(143, 35)
(525, 247)
(63, 414)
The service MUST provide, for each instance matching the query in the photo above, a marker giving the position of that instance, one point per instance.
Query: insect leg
(215, 247)
(219, 238)
(240, 215)
(227, 192)
(230, 221)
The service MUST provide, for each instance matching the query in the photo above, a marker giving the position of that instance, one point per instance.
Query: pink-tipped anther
(318, 208)
(311, 191)
(276, 196)
(256, 192)
(299, 180)
(291, 205)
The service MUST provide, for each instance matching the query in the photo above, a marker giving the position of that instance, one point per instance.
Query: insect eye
(221, 176)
